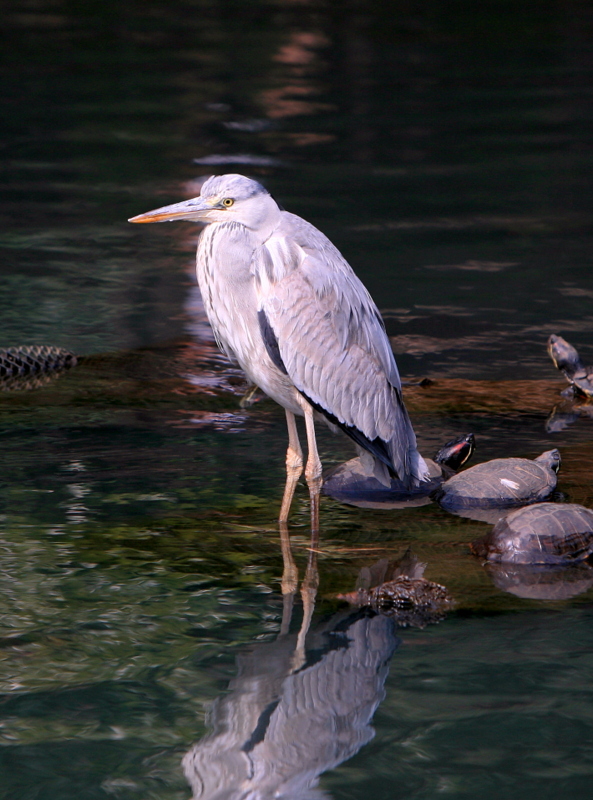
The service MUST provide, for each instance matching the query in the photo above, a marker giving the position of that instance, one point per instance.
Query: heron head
(223, 198)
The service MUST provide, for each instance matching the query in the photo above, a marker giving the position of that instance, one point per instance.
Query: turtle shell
(350, 483)
(500, 483)
(411, 601)
(582, 380)
(356, 483)
(32, 366)
(546, 533)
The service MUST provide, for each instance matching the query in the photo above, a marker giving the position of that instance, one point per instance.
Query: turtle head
(564, 355)
(456, 452)
(550, 459)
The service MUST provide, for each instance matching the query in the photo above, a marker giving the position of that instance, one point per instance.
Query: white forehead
(236, 186)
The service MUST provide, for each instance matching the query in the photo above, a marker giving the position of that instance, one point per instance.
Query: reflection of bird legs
(290, 578)
(308, 593)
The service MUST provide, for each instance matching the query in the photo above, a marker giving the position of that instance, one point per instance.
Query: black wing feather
(270, 341)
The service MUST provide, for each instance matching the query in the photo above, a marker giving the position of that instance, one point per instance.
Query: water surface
(446, 150)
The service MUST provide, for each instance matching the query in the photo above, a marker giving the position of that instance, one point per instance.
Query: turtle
(32, 366)
(410, 601)
(356, 482)
(567, 360)
(544, 533)
(400, 591)
(501, 483)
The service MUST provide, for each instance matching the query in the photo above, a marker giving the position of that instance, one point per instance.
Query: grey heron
(287, 307)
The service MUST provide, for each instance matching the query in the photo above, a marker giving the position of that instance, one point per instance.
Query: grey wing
(331, 340)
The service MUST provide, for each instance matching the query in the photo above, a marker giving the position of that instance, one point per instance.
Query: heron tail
(418, 468)
(406, 461)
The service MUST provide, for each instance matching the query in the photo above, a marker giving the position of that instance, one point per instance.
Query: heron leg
(312, 470)
(294, 469)
(248, 398)
(294, 465)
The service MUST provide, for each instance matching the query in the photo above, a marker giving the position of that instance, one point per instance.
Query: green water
(447, 150)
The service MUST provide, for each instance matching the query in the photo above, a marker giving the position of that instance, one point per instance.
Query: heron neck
(263, 219)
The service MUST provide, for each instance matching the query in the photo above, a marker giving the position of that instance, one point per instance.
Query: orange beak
(194, 210)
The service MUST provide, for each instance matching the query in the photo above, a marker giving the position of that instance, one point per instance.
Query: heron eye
(228, 202)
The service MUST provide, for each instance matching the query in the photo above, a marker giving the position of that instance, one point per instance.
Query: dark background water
(447, 149)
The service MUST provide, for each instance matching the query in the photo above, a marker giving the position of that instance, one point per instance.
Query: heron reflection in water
(304, 703)
(286, 306)
(284, 722)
